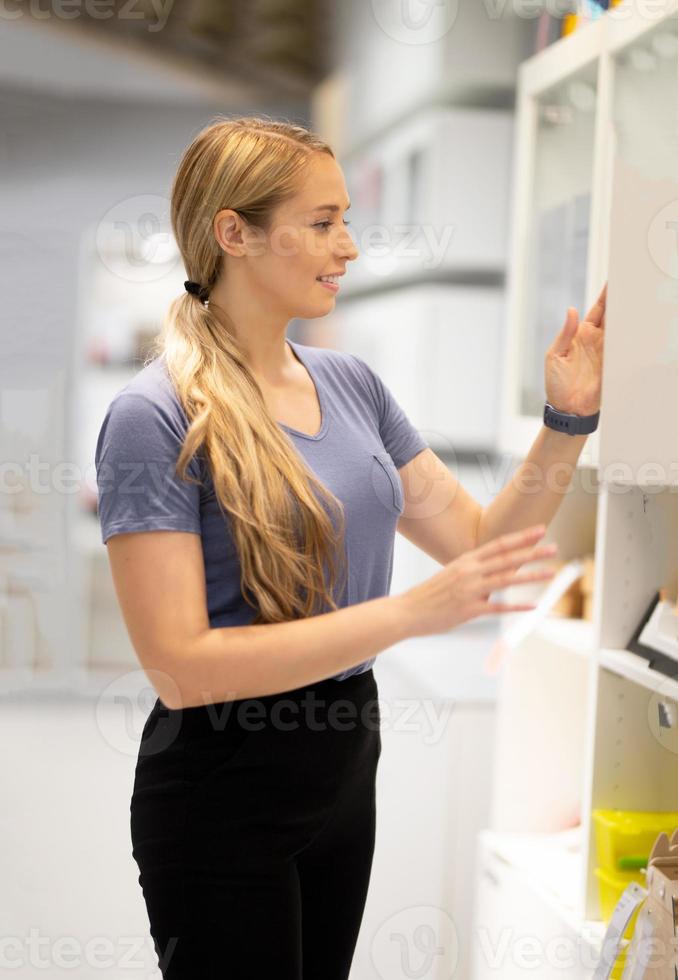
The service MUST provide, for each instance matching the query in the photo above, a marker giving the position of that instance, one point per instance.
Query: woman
(249, 492)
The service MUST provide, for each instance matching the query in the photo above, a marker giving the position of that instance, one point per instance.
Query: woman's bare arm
(159, 579)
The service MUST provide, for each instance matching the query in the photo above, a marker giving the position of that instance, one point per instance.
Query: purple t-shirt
(363, 438)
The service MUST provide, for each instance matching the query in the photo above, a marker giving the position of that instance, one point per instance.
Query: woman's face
(307, 238)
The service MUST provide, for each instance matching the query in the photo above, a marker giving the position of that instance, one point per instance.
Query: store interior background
(94, 114)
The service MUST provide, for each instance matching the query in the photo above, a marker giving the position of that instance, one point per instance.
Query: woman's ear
(229, 230)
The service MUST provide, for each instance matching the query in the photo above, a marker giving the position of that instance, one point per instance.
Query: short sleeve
(136, 454)
(399, 436)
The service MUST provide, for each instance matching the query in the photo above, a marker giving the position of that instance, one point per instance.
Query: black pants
(253, 826)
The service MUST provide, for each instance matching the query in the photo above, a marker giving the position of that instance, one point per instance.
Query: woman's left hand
(574, 361)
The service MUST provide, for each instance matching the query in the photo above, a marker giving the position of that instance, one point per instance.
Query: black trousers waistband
(341, 705)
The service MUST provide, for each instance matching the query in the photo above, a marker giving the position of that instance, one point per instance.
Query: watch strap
(573, 425)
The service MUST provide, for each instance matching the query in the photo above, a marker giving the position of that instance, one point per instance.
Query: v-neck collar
(324, 413)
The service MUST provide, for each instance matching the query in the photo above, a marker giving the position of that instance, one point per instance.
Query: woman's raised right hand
(461, 590)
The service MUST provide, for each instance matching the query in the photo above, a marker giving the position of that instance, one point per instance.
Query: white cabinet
(642, 352)
(519, 928)
(604, 724)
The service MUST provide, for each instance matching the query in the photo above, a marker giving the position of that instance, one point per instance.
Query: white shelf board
(634, 668)
(562, 58)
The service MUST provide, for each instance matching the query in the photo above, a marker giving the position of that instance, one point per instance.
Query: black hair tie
(193, 287)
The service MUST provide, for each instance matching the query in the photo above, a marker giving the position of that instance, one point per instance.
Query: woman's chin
(316, 309)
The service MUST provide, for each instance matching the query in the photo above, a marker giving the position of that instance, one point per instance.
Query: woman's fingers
(517, 558)
(508, 542)
(596, 313)
(492, 583)
(504, 607)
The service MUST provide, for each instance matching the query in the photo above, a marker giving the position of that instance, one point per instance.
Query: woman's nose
(347, 247)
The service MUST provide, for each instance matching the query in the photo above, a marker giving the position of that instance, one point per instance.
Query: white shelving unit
(582, 722)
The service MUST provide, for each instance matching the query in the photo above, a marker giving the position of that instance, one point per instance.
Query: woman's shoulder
(144, 416)
(150, 393)
(152, 382)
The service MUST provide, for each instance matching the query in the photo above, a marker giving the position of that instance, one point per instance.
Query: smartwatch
(573, 425)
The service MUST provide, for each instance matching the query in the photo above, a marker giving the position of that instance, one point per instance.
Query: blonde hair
(283, 534)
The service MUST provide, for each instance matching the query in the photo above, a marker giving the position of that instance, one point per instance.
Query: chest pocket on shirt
(387, 483)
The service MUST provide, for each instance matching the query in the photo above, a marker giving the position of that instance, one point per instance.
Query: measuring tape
(633, 896)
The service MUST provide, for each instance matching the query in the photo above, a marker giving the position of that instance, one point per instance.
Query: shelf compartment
(640, 555)
(540, 737)
(635, 668)
(634, 763)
